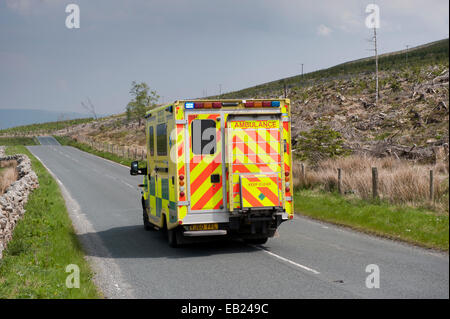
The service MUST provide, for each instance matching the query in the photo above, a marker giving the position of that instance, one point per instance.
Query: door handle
(215, 178)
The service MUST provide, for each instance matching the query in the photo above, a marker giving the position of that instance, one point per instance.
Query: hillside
(433, 53)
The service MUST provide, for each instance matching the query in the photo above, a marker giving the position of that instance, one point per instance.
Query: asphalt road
(308, 259)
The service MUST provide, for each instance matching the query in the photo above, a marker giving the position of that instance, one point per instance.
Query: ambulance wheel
(256, 241)
(147, 225)
(172, 237)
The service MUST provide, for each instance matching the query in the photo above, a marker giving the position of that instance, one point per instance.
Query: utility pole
(301, 77)
(220, 90)
(407, 47)
(376, 64)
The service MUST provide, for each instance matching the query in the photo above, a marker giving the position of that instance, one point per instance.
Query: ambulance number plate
(204, 227)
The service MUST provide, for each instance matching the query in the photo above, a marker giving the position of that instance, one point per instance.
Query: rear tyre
(172, 237)
(256, 241)
(147, 225)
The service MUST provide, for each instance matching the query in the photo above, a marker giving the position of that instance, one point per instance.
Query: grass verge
(43, 244)
(9, 141)
(63, 140)
(413, 225)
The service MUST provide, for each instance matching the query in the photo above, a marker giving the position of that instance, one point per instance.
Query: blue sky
(183, 47)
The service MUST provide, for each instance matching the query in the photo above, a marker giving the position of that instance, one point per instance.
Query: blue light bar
(189, 105)
(276, 103)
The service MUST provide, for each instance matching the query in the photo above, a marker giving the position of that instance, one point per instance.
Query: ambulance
(217, 169)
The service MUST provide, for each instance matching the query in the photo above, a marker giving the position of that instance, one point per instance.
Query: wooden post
(431, 186)
(303, 172)
(339, 181)
(374, 182)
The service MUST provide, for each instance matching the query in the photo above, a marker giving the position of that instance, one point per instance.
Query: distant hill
(18, 117)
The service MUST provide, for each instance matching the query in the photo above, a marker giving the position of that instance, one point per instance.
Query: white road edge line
(102, 278)
(287, 260)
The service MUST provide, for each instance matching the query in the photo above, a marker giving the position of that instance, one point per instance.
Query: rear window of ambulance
(203, 137)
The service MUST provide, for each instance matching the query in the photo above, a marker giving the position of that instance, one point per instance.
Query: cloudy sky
(183, 48)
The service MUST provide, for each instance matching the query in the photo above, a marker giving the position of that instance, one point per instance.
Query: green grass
(414, 225)
(8, 141)
(63, 140)
(43, 244)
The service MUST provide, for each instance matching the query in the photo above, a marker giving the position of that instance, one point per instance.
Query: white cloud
(323, 30)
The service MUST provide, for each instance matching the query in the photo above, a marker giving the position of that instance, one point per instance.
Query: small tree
(143, 100)
(320, 143)
(90, 108)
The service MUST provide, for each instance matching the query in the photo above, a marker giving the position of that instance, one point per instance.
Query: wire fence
(126, 152)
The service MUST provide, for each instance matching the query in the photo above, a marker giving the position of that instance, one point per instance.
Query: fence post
(374, 182)
(339, 181)
(303, 172)
(431, 186)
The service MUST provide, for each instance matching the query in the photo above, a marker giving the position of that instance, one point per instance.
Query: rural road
(308, 259)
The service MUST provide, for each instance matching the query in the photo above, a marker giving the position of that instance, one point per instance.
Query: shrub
(320, 143)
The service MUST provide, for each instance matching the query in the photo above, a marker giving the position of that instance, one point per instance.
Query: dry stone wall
(12, 202)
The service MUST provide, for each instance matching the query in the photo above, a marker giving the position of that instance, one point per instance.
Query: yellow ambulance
(217, 168)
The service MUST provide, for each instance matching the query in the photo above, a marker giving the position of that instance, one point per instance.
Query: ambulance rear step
(197, 233)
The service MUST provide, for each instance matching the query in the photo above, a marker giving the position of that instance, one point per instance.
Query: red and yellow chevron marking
(204, 194)
(287, 166)
(260, 191)
(180, 155)
(255, 148)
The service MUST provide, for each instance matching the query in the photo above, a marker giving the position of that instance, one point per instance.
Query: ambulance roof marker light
(189, 105)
